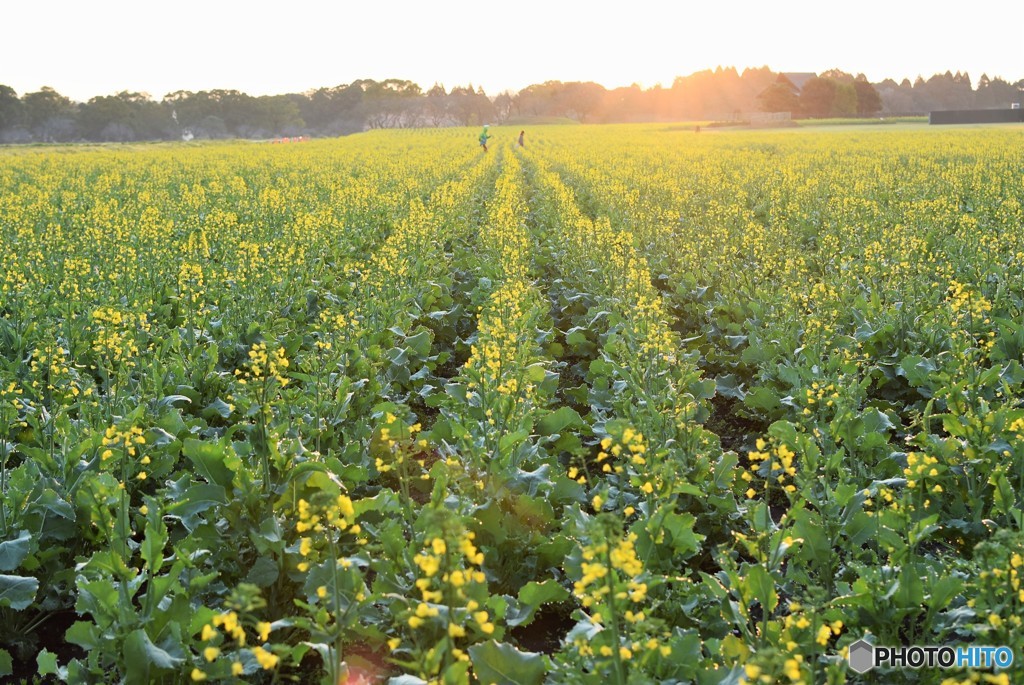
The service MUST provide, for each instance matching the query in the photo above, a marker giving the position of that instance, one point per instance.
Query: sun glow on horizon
(263, 49)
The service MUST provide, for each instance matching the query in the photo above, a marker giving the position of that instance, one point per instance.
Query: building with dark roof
(797, 79)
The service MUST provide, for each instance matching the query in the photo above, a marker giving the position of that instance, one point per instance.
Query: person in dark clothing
(521, 134)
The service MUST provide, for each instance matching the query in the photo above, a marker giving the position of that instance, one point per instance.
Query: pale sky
(105, 46)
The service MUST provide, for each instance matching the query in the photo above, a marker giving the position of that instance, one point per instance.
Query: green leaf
(46, 661)
(536, 594)
(729, 386)
(17, 592)
(761, 586)
(576, 336)
(560, 420)
(158, 437)
(942, 593)
(954, 425)
(734, 341)
(599, 367)
(535, 373)
(420, 343)
(734, 648)
(52, 502)
(14, 551)
(456, 674)
(196, 500)
(503, 664)
(209, 458)
(860, 528)
(1003, 498)
(399, 356)
(6, 663)
(533, 595)
(84, 634)
(762, 398)
(916, 370)
(142, 658)
(875, 421)
(703, 389)
(679, 528)
(217, 408)
(807, 526)
(263, 573)
(152, 550)
(531, 482)
(566, 491)
(509, 441)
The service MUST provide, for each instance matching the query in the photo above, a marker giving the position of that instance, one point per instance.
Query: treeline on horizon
(722, 94)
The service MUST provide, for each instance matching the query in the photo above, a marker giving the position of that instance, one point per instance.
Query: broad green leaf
(17, 592)
(943, 591)
(761, 587)
(46, 662)
(916, 370)
(560, 420)
(196, 500)
(728, 386)
(734, 341)
(762, 398)
(576, 336)
(1003, 498)
(143, 659)
(456, 674)
(14, 551)
(174, 401)
(420, 343)
(954, 425)
(52, 502)
(83, 634)
(503, 664)
(209, 458)
(875, 421)
(679, 534)
(263, 573)
(734, 648)
(153, 543)
(533, 595)
(535, 373)
(217, 408)
(703, 389)
(509, 441)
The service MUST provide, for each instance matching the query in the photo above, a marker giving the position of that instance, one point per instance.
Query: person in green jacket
(484, 135)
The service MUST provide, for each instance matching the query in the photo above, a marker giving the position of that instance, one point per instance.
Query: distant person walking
(484, 135)
(521, 143)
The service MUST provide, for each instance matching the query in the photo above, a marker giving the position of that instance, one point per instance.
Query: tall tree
(125, 116)
(436, 107)
(581, 101)
(503, 105)
(868, 100)
(995, 93)
(817, 96)
(50, 115)
(469, 106)
(11, 110)
(844, 101)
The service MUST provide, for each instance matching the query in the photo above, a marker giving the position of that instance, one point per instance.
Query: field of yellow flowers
(628, 405)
